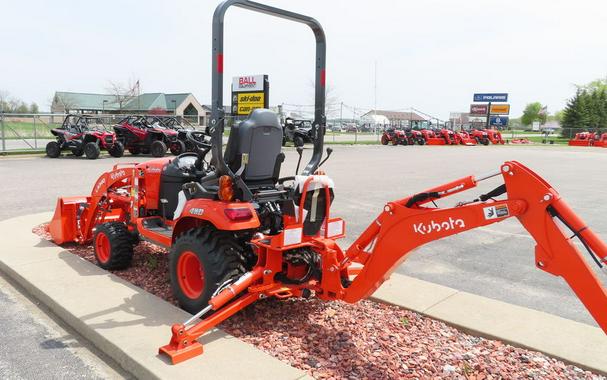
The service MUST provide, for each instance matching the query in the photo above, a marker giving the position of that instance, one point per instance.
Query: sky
(431, 55)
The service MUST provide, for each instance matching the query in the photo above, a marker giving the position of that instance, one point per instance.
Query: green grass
(18, 130)
(557, 140)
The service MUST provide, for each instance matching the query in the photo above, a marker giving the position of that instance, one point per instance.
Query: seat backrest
(259, 136)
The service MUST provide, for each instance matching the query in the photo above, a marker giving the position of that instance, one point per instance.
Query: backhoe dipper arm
(405, 225)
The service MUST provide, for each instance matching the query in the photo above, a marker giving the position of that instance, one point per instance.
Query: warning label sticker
(495, 212)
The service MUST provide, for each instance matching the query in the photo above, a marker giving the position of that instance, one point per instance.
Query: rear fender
(198, 212)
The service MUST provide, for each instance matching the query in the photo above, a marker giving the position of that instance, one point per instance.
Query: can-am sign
(248, 83)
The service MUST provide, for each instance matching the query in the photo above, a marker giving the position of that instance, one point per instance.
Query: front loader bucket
(63, 228)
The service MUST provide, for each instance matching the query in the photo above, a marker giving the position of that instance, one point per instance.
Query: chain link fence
(31, 132)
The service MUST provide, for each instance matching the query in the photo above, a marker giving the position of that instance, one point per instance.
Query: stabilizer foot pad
(182, 354)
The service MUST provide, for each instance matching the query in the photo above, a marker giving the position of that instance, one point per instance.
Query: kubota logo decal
(432, 226)
(115, 175)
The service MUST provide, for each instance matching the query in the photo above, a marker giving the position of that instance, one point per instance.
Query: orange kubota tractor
(238, 232)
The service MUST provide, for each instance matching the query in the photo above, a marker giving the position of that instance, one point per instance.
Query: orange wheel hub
(102, 247)
(190, 275)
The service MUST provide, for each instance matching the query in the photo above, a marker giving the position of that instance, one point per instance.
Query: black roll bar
(217, 111)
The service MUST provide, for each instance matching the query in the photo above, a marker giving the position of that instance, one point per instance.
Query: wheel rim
(190, 275)
(102, 247)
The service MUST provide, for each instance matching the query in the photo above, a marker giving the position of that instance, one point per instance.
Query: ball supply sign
(248, 83)
(249, 93)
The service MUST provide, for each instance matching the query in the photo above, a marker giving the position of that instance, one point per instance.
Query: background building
(184, 104)
(393, 118)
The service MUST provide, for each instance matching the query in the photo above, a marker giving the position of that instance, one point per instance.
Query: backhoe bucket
(63, 228)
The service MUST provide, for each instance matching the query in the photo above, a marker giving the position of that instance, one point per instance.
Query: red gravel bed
(367, 340)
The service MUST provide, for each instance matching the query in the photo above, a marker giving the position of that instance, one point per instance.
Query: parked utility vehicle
(83, 135)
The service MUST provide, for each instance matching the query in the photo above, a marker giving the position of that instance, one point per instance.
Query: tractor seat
(259, 137)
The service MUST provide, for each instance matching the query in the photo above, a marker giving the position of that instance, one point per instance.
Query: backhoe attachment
(403, 226)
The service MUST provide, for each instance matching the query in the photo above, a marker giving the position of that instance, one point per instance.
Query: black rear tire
(113, 245)
(117, 150)
(92, 150)
(421, 141)
(219, 258)
(53, 149)
(158, 148)
(298, 141)
(485, 141)
(178, 147)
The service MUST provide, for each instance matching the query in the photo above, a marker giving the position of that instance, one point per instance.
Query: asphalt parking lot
(495, 261)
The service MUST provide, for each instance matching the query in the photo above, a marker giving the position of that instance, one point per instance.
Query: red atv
(145, 134)
(83, 134)
(495, 136)
(481, 137)
(394, 136)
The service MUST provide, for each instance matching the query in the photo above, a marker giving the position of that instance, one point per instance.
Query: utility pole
(341, 115)
(375, 95)
(488, 115)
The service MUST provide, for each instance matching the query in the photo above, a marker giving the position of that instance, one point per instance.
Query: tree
(3, 101)
(34, 108)
(22, 108)
(533, 112)
(123, 93)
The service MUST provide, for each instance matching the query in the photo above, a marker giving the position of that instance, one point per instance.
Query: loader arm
(405, 225)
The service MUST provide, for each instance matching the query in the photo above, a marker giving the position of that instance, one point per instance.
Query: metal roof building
(183, 104)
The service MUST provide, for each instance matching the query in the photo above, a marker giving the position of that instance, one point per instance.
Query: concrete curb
(123, 321)
(573, 342)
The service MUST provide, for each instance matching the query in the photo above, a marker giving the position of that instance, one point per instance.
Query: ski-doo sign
(248, 93)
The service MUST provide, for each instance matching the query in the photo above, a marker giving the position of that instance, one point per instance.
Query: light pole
(103, 106)
(174, 106)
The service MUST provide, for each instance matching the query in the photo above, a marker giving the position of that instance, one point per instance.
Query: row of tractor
(595, 139)
(138, 134)
(441, 137)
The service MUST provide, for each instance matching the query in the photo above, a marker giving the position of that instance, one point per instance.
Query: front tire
(200, 261)
(384, 140)
(158, 148)
(421, 141)
(53, 150)
(178, 147)
(117, 150)
(113, 245)
(92, 150)
(485, 141)
(298, 141)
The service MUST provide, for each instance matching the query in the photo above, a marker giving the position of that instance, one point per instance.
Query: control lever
(163, 202)
(329, 151)
(300, 152)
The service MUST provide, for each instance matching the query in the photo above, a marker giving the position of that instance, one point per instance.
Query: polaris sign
(491, 97)
(248, 83)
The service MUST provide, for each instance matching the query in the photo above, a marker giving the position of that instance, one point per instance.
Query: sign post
(249, 93)
(490, 108)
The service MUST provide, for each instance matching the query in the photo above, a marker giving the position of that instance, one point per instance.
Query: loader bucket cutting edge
(63, 227)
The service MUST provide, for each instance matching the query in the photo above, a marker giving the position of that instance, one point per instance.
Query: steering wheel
(202, 147)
